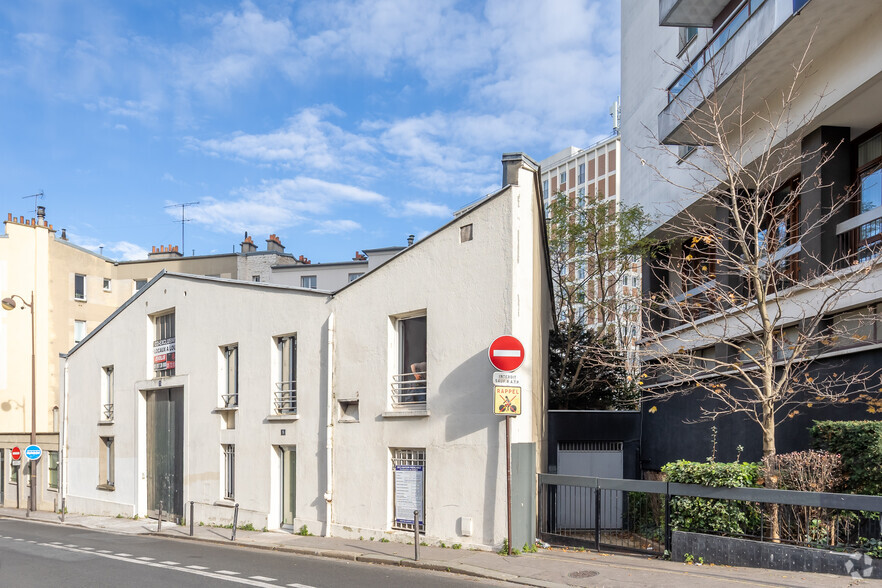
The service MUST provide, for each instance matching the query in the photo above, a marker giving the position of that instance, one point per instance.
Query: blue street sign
(33, 452)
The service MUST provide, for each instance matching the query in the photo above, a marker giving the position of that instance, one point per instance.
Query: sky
(336, 125)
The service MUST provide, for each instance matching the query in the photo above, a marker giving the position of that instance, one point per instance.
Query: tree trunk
(768, 427)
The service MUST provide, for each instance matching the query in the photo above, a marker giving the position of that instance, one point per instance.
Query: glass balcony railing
(740, 16)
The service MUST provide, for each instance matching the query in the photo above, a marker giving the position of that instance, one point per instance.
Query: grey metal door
(601, 459)
(165, 453)
(2, 475)
(289, 484)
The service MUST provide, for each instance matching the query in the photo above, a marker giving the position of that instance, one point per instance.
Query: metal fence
(639, 515)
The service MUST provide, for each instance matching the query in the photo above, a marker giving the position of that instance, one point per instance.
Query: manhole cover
(583, 574)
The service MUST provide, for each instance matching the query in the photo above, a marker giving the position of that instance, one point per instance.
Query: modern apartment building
(343, 411)
(676, 55)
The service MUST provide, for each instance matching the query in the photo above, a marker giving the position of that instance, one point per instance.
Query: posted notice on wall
(408, 492)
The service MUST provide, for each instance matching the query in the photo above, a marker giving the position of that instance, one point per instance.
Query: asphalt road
(43, 555)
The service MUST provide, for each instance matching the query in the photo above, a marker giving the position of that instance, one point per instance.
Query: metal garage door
(602, 459)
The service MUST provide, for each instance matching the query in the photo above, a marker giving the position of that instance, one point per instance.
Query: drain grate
(583, 574)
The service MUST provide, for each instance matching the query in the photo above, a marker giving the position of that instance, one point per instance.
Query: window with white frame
(79, 331)
(562, 179)
(164, 357)
(355, 275)
(308, 282)
(409, 383)
(52, 467)
(229, 471)
(581, 179)
(285, 392)
(105, 463)
(230, 389)
(140, 284)
(107, 393)
(408, 488)
(79, 287)
(107, 284)
(545, 189)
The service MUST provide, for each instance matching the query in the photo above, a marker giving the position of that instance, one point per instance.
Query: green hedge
(860, 445)
(706, 515)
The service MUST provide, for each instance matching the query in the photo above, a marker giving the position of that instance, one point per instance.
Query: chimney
(64, 234)
(163, 252)
(512, 164)
(247, 244)
(409, 240)
(273, 244)
(41, 214)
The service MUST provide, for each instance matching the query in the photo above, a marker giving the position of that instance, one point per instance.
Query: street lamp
(9, 304)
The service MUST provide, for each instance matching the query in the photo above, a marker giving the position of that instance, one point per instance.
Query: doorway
(165, 453)
(288, 455)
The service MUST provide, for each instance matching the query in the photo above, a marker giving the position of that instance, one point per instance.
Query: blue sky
(337, 125)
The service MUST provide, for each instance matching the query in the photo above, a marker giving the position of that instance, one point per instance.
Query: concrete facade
(349, 425)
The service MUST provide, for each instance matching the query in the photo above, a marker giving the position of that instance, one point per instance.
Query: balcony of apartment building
(754, 40)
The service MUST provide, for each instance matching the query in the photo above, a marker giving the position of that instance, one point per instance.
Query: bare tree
(742, 307)
(595, 245)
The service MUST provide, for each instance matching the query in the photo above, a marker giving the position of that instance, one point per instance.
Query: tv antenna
(36, 197)
(183, 220)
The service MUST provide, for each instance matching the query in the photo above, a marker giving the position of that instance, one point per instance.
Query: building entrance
(165, 453)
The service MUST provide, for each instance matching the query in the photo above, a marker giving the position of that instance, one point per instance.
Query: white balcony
(689, 13)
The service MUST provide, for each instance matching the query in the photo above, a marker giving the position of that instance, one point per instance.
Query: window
(466, 233)
(255, 278)
(140, 284)
(79, 287)
(698, 262)
(308, 282)
(687, 34)
(409, 487)
(355, 276)
(79, 331)
(164, 345)
(855, 327)
(105, 463)
(581, 179)
(230, 393)
(107, 284)
(229, 472)
(562, 179)
(285, 393)
(409, 383)
(52, 464)
(107, 394)
(870, 174)
(545, 188)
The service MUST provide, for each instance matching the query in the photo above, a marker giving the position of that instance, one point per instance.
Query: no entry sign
(16, 453)
(506, 353)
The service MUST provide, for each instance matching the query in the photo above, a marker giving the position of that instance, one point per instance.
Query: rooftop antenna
(615, 111)
(183, 220)
(36, 197)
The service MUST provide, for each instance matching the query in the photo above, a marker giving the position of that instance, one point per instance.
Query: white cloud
(127, 251)
(120, 127)
(335, 227)
(274, 205)
(121, 250)
(416, 208)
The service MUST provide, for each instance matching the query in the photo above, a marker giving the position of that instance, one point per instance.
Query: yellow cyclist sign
(506, 394)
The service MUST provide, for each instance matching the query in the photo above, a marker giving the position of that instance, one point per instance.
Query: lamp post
(9, 304)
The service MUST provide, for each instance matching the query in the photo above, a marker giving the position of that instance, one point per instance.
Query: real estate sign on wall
(408, 493)
(164, 354)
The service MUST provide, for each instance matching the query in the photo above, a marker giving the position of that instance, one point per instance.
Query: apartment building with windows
(299, 397)
(675, 53)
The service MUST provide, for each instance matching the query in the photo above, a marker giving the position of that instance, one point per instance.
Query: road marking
(192, 570)
(31, 541)
(146, 558)
(170, 563)
(197, 567)
(104, 551)
(262, 578)
(56, 543)
(71, 545)
(117, 554)
(226, 572)
(298, 586)
(85, 548)
(19, 539)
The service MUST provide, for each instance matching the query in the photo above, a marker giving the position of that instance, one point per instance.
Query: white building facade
(336, 411)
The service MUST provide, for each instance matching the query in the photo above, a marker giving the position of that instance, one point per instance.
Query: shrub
(860, 445)
(731, 517)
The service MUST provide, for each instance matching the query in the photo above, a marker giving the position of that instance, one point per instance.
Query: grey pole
(235, 521)
(416, 535)
(191, 518)
(63, 508)
(159, 521)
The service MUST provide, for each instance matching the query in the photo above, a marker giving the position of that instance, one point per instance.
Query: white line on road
(197, 567)
(146, 558)
(262, 578)
(227, 572)
(297, 586)
(104, 551)
(86, 548)
(187, 570)
(117, 554)
(170, 563)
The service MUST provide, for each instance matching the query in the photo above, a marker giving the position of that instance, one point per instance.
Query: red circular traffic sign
(506, 353)
(16, 453)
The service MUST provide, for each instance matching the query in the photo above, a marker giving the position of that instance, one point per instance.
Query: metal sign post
(508, 478)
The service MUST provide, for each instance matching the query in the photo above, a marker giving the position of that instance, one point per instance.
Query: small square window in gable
(465, 233)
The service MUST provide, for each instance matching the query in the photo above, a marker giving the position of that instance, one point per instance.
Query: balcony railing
(230, 400)
(716, 43)
(285, 398)
(108, 412)
(409, 390)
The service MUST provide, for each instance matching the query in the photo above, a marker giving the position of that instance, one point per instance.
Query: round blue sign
(33, 452)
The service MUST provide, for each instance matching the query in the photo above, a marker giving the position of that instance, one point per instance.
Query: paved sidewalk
(548, 567)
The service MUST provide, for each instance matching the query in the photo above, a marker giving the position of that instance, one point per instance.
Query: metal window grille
(589, 446)
(53, 469)
(285, 394)
(107, 400)
(408, 387)
(229, 471)
(405, 457)
(231, 370)
(108, 461)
